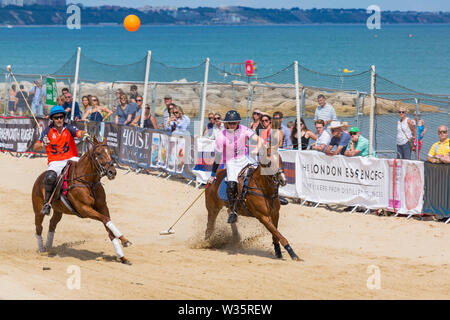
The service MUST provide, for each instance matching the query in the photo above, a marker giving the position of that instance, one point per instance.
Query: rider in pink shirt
(232, 148)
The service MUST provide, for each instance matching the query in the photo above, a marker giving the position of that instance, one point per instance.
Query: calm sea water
(420, 62)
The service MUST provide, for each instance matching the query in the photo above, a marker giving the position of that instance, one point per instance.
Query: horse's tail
(37, 192)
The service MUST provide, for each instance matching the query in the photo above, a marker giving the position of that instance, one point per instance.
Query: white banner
(407, 189)
(342, 180)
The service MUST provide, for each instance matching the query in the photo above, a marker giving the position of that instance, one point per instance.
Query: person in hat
(358, 145)
(340, 139)
(59, 143)
(345, 126)
(231, 148)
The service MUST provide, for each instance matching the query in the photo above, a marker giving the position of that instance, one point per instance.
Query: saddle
(62, 188)
(242, 184)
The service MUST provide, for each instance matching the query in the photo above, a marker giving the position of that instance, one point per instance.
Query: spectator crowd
(329, 135)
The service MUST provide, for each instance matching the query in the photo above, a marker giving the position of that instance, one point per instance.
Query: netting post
(77, 70)
(234, 96)
(203, 106)
(147, 72)
(297, 94)
(372, 110)
(153, 98)
(358, 102)
(416, 131)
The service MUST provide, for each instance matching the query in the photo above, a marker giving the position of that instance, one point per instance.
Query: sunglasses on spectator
(176, 112)
(232, 123)
(210, 118)
(138, 100)
(256, 113)
(401, 112)
(58, 117)
(147, 108)
(266, 120)
(94, 100)
(352, 133)
(442, 131)
(217, 118)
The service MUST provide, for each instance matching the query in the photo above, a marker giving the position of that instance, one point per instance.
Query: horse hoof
(296, 258)
(127, 243)
(125, 261)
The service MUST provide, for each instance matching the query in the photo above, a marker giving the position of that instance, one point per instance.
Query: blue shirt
(131, 108)
(38, 95)
(342, 141)
(181, 125)
(287, 142)
(68, 105)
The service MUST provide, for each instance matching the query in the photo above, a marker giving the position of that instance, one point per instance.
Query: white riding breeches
(58, 166)
(234, 167)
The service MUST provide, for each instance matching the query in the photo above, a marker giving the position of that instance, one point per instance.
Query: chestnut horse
(86, 195)
(261, 201)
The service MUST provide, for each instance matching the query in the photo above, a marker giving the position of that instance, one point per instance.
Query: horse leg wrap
(113, 229)
(118, 248)
(49, 242)
(290, 251)
(40, 242)
(277, 248)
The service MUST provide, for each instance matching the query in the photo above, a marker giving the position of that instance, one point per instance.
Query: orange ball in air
(131, 23)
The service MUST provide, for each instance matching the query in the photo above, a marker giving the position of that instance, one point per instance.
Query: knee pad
(50, 178)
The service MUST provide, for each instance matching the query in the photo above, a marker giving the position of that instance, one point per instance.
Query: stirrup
(232, 218)
(46, 209)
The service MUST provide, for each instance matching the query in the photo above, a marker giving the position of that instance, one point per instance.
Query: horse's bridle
(102, 169)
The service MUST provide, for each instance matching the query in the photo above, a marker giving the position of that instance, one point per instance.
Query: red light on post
(249, 67)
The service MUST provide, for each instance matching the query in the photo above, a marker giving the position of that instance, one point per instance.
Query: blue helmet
(56, 110)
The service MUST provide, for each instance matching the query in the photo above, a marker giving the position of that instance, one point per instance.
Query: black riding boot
(49, 185)
(232, 199)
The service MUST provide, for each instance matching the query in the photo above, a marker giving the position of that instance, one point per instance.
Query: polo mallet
(8, 68)
(170, 231)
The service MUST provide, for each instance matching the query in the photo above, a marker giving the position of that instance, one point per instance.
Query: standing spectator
(266, 123)
(12, 103)
(179, 122)
(85, 104)
(95, 111)
(405, 134)
(68, 107)
(305, 135)
(287, 142)
(339, 140)
(149, 119)
(290, 126)
(133, 93)
(209, 128)
(218, 126)
(323, 137)
(166, 113)
(276, 136)
(324, 111)
(439, 151)
(37, 104)
(358, 146)
(64, 91)
(125, 112)
(118, 93)
(22, 99)
(421, 127)
(256, 124)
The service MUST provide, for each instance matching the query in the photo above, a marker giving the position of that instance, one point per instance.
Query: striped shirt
(325, 113)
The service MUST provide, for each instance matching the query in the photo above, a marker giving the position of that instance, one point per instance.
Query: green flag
(51, 92)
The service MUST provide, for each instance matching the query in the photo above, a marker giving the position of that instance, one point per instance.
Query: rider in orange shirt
(58, 140)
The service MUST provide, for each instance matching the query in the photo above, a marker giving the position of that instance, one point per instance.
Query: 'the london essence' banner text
(342, 180)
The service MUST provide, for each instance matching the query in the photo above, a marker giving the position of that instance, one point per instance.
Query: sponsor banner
(406, 188)
(113, 135)
(135, 147)
(162, 150)
(289, 158)
(342, 180)
(437, 189)
(204, 159)
(18, 134)
(51, 92)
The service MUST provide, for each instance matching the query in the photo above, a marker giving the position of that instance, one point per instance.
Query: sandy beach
(339, 250)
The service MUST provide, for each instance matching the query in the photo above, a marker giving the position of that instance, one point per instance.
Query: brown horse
(86, 195)
(261, 201)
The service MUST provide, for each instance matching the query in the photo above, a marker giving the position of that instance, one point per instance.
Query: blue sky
(402, 5)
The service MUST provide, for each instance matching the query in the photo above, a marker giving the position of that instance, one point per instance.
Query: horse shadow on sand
(69, 249)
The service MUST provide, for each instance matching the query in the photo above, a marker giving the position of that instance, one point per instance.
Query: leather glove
(45, 141)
